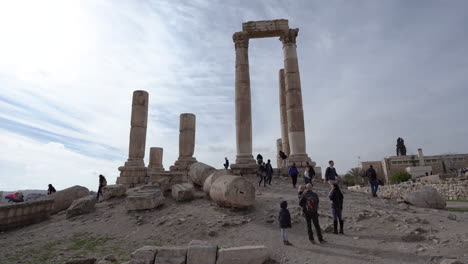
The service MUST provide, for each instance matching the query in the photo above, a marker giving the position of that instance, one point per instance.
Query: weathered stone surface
(283, 113)
(232, 191)
(426, 198)
(21, 214)
(265, 28)
(33, 196)
(213, 177)
(111, 191)
(145, 199)
(451, 261)
(201, 252)
(183, 192)
(144, 255)
(243, 255)
(81, 261)
(81, 206)
(171, 255)
(64, 198)
(156, 159)
(198, 172)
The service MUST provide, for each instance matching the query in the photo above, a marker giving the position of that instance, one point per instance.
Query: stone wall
(20, 214)
(456, 189)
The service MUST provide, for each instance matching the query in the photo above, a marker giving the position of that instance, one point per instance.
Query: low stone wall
(451, 190)
(21, 214)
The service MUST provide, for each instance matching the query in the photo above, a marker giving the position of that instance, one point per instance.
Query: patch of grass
(41, 254)
(459, 201)
(87, 242)
(457, 209)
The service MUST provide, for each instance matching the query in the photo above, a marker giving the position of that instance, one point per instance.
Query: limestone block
(198, 172)
(144, 255)
(243, 255)
(64, 198)
(187, 135)
(265, 28)
(144, 200)
(156, 159)
(201, 252)
(171, 255)
(81, 206)
(183, 192)
(427, 197)
(213, 177)
(111, 191)
(232, 191)
(81, 261)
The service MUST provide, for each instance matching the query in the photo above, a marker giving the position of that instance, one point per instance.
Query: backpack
(311, 205)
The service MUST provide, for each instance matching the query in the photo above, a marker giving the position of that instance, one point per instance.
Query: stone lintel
(265, 28)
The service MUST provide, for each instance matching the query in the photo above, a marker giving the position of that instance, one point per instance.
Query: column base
(132, 176)
(300, 160)
(245, 169)
(183, 164)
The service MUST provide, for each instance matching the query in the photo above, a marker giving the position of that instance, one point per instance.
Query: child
(336, 196)
(300, 191)
(284, 219)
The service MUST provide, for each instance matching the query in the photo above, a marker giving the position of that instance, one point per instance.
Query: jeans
(306, 180)
(337, 214)
(268, 178)
(262, 178)
(374, 184)
(284, 234)
(99, 192)
(294, 180)
(314, 219)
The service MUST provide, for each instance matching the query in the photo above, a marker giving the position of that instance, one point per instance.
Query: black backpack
(311, 205)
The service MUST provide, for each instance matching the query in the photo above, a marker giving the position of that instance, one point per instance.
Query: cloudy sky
(371, 71)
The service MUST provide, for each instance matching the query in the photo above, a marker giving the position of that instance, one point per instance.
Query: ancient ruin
(186, 143)
(292, 114)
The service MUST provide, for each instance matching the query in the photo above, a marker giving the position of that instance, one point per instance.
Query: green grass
(87, 242)
(457, 209)
(459, 201)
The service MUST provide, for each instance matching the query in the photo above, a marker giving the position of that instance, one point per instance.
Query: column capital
(289, 36)
(241, 40)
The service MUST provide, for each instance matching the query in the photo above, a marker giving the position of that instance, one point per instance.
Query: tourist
(293, 172)
(226, 163)
(262, 174)
(373, 182)
(309, 173)
(284, 158)
(284, 220)
(102, 183)
(300, 191)
(16, 197)
(330, 174)
(51, 190)
(269, 172)
(310, 202)
(336, 196)
(259, 159)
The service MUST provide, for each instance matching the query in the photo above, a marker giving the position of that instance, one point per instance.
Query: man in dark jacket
(269, 172)
(262, 174)
(310, 202)
(330, 174)
(284, 220)
(293, 172)
(373, 182)
(336, 196)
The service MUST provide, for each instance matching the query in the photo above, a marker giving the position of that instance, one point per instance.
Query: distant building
(417, 165)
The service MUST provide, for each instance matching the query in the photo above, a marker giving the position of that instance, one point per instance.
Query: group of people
(265, 171)
(309, 174)
(309, 203)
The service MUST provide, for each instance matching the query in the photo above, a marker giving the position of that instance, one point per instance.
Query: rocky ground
(377, 231)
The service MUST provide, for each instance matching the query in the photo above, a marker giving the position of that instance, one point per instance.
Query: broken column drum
(156, 159)
(232, 191)
(186, 143)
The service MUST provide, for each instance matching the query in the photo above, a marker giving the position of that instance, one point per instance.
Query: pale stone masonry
(134, 170)
(283, 113)
(156, 159)
(186, 143)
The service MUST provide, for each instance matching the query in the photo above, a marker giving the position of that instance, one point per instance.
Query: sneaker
(312, 241)
(322, 241)
(287, 243)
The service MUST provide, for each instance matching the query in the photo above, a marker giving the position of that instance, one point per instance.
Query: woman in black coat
(284, 220)
(336, 196)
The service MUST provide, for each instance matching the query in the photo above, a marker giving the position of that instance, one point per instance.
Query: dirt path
(374, 231)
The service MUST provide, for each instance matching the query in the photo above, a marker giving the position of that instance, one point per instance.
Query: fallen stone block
(144, 255)
(81, 206)
(171, 255)
(64, 198)
(183, 192)
(144, 200)
(198, 172)
(243, 255)
(427, 197)
(111, 191)
(213, 177)
(232, 191)
(201, 252)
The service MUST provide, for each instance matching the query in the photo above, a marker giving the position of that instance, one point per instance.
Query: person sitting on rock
(16, 197)
(336, 196)
(310, 202)
(51, 190)
(284, 220)
(102, 183)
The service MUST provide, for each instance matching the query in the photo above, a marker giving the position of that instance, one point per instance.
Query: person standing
(269, 172)
(310, 202)
(226, 163)
(336, 196)
(309, 173)
(259, 159)
(284, 158)
(330, 174)
(51, 190)
(284, 220)
(373, 182)
(102, 183)
(262, 174)
(293, 172)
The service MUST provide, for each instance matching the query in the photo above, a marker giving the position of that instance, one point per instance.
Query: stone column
(421, 158)
(295, 113)
(283, 113)
(279, 146)
(134, 170)
(156, 159)
(243, 102)
(186, 143)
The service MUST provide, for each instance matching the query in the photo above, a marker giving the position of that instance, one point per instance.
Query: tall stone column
(279, 146)
(186, 143)
(156, 159)
(243, 101)
(283, 113)
(134, 170)
(295, 113)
